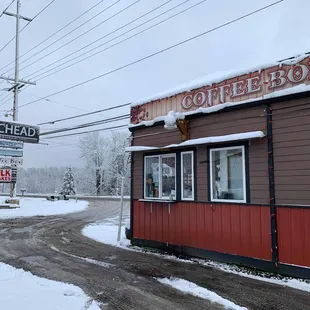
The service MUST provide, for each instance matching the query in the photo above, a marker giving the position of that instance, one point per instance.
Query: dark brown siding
(225, 123)
(291, 136)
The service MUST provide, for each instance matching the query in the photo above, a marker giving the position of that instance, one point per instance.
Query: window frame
(193, 176)
(160, 156)
(244, 173)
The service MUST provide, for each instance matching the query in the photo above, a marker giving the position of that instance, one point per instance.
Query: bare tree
(93, 149)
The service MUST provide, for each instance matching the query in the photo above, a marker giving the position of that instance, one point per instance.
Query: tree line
(106, 162)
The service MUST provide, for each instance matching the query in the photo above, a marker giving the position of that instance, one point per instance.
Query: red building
(221, 169)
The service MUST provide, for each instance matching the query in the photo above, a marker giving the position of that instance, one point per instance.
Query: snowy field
(42, 207)
(106, 232)
(22, 290)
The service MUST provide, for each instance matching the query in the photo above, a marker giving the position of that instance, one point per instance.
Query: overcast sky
(274, 34)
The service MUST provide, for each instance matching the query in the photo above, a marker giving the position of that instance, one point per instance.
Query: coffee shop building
(221, 168)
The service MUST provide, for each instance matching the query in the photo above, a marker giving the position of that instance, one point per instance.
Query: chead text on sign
(19, 132)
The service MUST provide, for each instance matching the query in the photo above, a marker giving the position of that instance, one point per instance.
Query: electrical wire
(155, 53)
(39, 13)
(76, 38)
(89, 131)
(85, 114)
(101, 38)
(7, 8)
(101, 122)
(113, 45)
(53, 34)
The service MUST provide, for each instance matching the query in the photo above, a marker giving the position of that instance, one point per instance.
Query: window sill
(157, 200)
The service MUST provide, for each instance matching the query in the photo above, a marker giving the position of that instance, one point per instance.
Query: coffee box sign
(19, 132)
(252, 86)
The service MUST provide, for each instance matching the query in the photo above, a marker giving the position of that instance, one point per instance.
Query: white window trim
(243, 172)
(193, 176)
(160, 176)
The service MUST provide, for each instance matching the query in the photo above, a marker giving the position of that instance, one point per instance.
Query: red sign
(5, 175)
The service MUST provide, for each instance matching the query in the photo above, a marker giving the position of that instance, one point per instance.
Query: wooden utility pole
(17, 82)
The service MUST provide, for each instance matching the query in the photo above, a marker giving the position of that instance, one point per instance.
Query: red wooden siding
(293, 236)
(227, 228)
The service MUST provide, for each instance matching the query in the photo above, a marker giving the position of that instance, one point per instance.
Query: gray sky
(274, 34)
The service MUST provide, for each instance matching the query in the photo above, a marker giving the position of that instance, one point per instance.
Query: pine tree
(68, 187)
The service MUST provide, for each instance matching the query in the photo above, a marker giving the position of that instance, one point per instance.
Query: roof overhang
(207, 140)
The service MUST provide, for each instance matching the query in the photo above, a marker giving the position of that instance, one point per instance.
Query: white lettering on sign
(277, 78)
(297, 74)
(253, 85)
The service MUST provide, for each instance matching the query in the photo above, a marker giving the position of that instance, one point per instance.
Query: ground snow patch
(22, 290)
(106, 232)
(198, 291)
(43, 207)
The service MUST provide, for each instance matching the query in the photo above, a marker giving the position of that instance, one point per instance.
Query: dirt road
(53, 247)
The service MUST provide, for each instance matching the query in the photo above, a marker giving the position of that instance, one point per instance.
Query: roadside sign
(19, 132)
(11, 152)
(11, 161)
(11, 144)
(5, 175)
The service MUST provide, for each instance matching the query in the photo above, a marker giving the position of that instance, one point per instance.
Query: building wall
(224, 123)
(227, 228)
(291, 137)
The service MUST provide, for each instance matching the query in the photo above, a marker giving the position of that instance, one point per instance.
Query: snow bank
(284, 281)
(22, 290)
(106, 232)
(42, 207)
(198, 291)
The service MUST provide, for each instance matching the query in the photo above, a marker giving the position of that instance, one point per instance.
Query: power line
(7, 8)
(85, 114)
(156, 53)
(74, 39)
(101, 38)
(113, 45)
(39, 13)
(52, 35)
(89, 131)
(97, 123)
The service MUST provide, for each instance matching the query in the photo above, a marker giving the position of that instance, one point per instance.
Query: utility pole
(17, 82)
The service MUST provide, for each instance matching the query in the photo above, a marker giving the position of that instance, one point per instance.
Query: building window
(160, 177)
(187, 175)
(227, 174)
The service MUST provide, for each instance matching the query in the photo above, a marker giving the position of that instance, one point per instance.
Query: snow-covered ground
(22, 290)
(42, 207)
(106, 232)
(195, 290)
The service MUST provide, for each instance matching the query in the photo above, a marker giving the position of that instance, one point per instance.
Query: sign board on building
(11, 161)
(11, 152)
(292, 75)
(19, 132)
(11, 144)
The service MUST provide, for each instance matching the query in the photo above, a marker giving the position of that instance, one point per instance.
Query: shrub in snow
(68, 187)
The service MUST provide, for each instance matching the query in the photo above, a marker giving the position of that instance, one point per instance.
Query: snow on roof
(284, 92)
(206, 140)
(217, 77)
